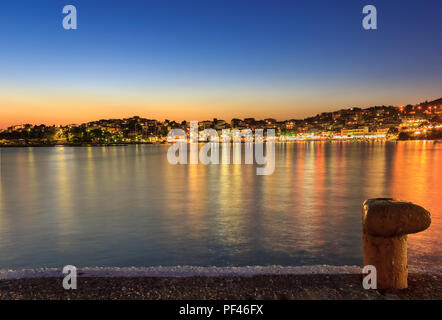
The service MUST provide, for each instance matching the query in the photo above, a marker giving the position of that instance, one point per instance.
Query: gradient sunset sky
(198, 60)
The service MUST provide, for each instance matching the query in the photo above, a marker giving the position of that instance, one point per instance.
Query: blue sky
(282, 59)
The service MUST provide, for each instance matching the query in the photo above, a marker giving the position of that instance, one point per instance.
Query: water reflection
(124, 206)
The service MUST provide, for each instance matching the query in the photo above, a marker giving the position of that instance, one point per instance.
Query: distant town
(410, 122)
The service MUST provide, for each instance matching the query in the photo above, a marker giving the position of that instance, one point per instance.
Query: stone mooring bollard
(385, 224)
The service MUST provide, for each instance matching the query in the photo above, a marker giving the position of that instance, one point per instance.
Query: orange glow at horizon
(63, 109)
(63, 105)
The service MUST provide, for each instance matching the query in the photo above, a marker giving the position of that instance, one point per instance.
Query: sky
(196, 60)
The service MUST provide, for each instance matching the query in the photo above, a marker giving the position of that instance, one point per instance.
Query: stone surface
(385, 217)
(316, 286)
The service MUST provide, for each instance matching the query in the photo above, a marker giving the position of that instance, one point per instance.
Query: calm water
(127, 206)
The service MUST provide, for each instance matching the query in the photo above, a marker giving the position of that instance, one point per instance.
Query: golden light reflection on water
(417, 177)
(63, 197)
(229, 227)
(196, 200)
(129, 206)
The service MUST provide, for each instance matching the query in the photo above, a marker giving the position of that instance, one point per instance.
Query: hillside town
(410, 122)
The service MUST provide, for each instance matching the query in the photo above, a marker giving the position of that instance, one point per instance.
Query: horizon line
(215, 117)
